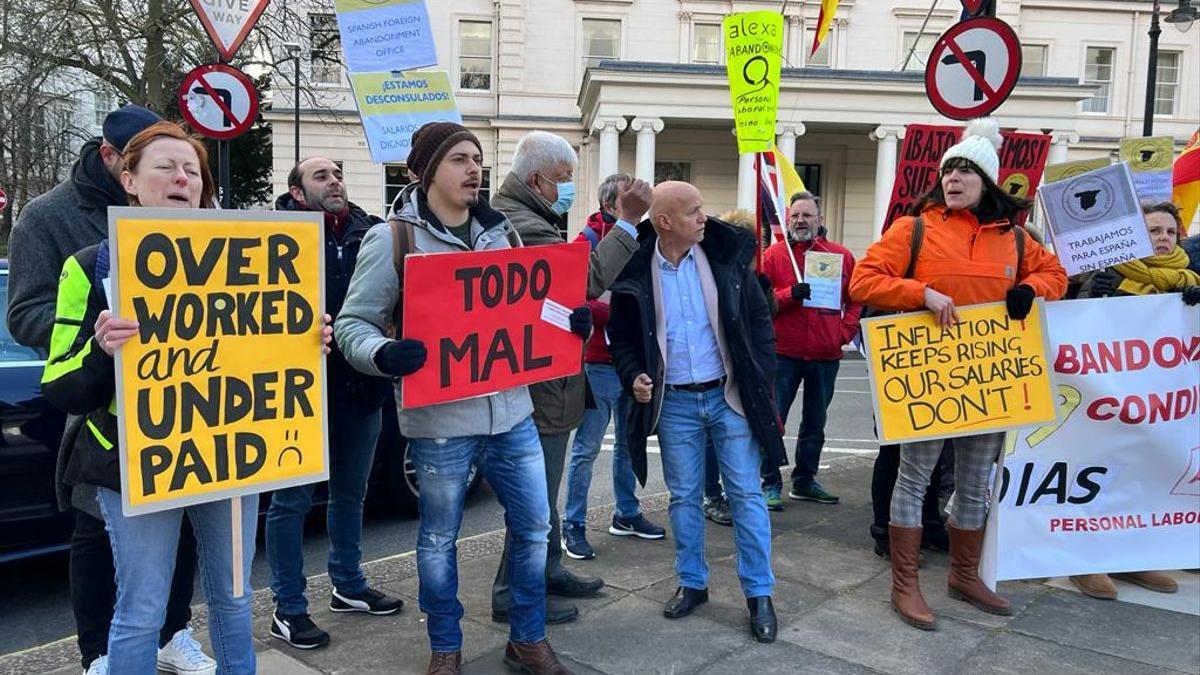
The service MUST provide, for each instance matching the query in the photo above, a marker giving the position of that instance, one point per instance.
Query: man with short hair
(691, 340)
(355, 404)
(496, 431)
(808, 344)
(53, 227)
(534, 196)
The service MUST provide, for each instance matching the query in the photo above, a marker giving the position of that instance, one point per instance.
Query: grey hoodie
(373, 294)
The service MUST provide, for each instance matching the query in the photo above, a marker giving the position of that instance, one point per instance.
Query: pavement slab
(782, 658)
(1016, 654)
(823, 563)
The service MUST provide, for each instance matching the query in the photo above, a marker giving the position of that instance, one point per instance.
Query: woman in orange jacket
(970, 253)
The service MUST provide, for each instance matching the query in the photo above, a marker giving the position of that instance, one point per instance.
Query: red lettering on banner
(1122, 356)
(1151, 408)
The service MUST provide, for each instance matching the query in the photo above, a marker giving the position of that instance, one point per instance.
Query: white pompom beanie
(980, 142)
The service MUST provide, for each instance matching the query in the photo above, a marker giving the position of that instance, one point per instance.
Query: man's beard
(325, 205)
(799, 237)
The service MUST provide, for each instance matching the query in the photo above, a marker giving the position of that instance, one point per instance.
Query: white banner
(1115, 486)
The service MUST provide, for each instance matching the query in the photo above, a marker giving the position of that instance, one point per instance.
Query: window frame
(720, 44)
(459, 55)
(582, 42)
(1110, 92)
(325, 62)
(808, 35)
(919, 66)
(1045, 47)
(1177, 84)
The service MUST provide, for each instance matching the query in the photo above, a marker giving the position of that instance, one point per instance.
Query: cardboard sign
(394, 105)
(989, 373)
(1062, 170)
(1096, 220)
(1114, 486)
(823, 274)
(754, 61)
(385, 35)
(492, 320)
(222, 393)
(1150, 161)
(1022, 159)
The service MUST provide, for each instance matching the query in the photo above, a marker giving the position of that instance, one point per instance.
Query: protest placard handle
(235, 509)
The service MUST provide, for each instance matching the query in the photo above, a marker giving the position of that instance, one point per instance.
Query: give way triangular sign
(228, 22)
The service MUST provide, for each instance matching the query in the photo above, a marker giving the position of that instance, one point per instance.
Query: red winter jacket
(597, 346)
(806, 332)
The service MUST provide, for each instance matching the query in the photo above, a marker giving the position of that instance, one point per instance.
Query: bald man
(691, 339)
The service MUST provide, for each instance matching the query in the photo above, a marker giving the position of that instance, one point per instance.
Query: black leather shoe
(557, 612)
(685, 600)
(763, 624)
(570, 585)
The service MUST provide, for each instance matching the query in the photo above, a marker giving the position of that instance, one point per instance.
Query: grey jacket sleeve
(608, 259)
(361, 326)
(32, 281)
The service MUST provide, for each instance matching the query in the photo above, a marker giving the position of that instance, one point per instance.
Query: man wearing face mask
(808, 346)
(534, 197)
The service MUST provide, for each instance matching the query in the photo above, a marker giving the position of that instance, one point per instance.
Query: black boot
(763, 624)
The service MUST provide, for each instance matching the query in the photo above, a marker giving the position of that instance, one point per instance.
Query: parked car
(30, 431)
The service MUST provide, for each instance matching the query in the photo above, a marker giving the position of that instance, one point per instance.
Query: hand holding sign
(112, 332)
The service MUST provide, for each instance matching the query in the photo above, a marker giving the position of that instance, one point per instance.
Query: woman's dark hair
(994, 205)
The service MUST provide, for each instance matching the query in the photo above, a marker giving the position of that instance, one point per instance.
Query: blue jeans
(688, 420)
(611, 401)
(513, 465)
(819, 378)
(712, 472)
(353, 433)
(144, 559)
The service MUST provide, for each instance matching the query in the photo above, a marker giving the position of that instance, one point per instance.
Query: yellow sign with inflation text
(754, 62)
(989, 373)
(222, 391)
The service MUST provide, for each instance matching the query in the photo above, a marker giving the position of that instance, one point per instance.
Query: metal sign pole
(223, 169)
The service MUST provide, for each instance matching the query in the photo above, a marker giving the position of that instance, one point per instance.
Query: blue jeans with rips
(611, 402)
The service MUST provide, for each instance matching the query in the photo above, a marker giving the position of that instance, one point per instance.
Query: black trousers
(883, 481)
(94, 586)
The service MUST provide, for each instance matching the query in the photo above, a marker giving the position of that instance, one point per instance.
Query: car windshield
(10, 351)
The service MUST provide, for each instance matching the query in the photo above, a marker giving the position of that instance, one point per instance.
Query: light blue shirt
(693, 355)
(629, 227)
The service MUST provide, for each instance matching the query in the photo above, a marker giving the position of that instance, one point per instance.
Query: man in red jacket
(808, 345)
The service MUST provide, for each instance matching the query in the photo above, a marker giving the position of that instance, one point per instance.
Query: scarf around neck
(1157, 274)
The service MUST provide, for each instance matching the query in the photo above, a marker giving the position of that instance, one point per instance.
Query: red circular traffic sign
(972, 68)
(219, 101)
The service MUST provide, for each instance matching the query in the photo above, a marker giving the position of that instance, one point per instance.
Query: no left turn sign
(3, 200)
(973, 68)
(219, 101)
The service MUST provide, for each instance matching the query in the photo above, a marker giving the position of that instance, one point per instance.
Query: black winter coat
(745, 318)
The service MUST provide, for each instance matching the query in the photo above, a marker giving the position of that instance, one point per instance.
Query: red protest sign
(1022, 160)
(492, 320)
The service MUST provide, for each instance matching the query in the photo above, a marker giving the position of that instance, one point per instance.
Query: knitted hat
(430, 144)
(126, 122)
(980, 142)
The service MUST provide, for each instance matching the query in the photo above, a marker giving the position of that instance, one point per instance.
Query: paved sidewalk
(831, 599)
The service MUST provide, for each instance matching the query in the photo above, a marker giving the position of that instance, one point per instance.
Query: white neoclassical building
(639, 86)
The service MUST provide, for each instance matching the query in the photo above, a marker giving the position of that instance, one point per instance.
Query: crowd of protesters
(692, 333)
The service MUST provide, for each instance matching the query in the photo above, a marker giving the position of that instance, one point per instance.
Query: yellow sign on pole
(222, 392)
(989, 373)
(754, 61)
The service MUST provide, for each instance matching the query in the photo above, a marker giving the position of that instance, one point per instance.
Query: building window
(823, 58)
(706, 43)
(1166, 83)
(601, 40)
(395, 178)
(324, 46)
(924, 44)
(1098, 70)
(105, 103)
(475, 55)
(811, 175)
(1033, 60)
(672, 171)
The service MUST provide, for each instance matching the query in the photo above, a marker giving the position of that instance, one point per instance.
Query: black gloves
(401, 357)
(581, 321)
(1019, 301)
(765, 284)
(1104, 284)
(1191, 295)
(801, 291)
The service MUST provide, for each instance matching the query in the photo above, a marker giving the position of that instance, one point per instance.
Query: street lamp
(293, 49)
(1182, 18)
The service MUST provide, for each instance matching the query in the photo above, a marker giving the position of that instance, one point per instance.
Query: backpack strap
(1020, 234)
(402, 245)
(914, 245)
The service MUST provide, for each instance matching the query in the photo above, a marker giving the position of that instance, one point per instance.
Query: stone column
(1059, 142)
(885, 172)
(747, 182)
(786, 135)
(609, 129)
(646, 128)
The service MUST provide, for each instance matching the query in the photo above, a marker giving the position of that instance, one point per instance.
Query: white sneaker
(182, 655)
(99, 666)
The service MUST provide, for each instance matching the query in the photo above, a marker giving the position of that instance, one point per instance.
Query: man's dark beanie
(430, 144)
(126, 122)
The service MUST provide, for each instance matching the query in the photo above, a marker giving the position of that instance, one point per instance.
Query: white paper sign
(823, 274)
(385, 35)
(556, 314)
(1096, 219)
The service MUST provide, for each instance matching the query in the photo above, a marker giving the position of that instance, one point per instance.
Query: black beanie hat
(430, 144)
(126, 122)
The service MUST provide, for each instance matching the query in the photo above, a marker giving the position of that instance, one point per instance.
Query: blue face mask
(566, 197)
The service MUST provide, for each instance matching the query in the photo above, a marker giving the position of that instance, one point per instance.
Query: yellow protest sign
(754, 61)
(1150, 160)
(989, 373)
(1064, 170)
(222, 392)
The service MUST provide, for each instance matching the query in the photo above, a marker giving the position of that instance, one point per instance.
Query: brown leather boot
(905, 545)
(1097, 586)
(536, 658)
(444, 663)
(964, 583)
(1154, 581)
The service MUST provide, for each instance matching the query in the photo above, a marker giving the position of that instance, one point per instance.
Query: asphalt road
(35, 603)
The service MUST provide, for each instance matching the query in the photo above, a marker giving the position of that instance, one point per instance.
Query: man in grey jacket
(495, 431)
(534, 196)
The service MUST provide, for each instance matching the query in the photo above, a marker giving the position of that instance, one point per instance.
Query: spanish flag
(824, 21)
(1186, 181)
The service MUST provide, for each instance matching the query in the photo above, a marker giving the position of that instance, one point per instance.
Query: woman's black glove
(801, 291)
(581, 321)
(1019, 301)
(1105, 284)
(1191, 295)
(765, 283)
(401, 357)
